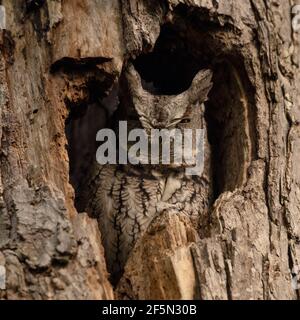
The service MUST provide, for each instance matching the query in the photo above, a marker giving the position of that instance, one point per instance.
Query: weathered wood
(50, 54)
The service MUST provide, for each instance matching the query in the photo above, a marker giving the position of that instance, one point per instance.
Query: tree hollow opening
(181, 51)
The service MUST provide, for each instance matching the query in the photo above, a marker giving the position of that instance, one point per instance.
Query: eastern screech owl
(126, 198)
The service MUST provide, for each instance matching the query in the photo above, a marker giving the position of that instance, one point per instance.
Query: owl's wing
(124, 207)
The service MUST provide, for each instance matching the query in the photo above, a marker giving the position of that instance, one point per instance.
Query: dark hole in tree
(180, 52)
(170, 68)
(84, 121)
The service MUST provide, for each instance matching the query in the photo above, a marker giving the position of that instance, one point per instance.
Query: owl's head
(169, 111)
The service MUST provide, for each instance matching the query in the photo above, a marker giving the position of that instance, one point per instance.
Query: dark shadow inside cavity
(170, 68)
(83, 123)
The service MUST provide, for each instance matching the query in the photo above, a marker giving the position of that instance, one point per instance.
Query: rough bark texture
(62, 54)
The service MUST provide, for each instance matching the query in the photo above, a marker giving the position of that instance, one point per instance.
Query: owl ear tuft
(133, 77)
(200, 87)
(141, 99)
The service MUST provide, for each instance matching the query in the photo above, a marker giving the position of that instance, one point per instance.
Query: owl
(126, 198)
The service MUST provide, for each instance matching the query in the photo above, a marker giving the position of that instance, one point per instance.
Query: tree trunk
(60, 59)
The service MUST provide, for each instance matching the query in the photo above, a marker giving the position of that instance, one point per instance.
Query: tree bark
(56, 55)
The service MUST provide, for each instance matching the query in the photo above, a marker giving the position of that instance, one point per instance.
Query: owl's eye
(186, 121)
